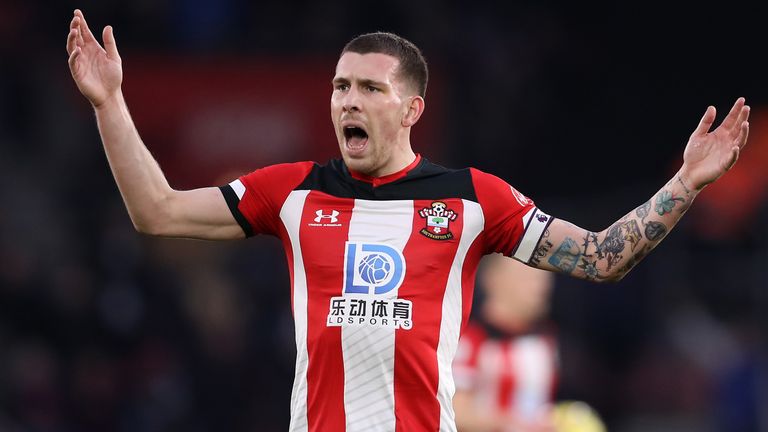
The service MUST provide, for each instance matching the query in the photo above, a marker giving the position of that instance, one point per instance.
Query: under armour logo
(321, 216)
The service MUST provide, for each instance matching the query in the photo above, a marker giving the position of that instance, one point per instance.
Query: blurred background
(584, 108)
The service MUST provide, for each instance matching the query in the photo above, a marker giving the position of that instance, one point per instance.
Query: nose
(351, 101)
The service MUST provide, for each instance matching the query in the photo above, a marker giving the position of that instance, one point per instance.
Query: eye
(342, 87)
(371, 89)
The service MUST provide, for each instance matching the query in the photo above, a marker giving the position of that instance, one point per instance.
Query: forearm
(644, 228)
(139, 178)
(153, 206)
(610, 254)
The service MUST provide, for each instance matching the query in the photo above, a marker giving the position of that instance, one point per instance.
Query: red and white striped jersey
(516, 374)
(382, 274)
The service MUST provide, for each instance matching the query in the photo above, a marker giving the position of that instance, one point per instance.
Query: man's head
(516, 295)
(378, 94)
(413, 68)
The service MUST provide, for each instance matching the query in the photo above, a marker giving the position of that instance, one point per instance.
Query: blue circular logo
(374, 269)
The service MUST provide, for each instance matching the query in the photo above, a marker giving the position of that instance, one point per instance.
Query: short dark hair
(413, 67)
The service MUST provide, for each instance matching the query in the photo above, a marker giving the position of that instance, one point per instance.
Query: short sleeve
(255, 199)
(513, 223)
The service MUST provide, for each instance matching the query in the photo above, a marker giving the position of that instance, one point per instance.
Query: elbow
(147, 227)
(614, 276)
(617, 273)
(153, 223)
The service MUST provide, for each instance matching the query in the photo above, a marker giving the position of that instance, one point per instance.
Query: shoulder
(430, 180)
(489, 185)
(485, 185)
(278, 176)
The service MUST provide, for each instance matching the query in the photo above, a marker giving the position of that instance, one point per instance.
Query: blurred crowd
(584, 109)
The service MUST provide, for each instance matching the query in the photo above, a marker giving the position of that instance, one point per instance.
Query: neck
(397, 163)
(387, 178)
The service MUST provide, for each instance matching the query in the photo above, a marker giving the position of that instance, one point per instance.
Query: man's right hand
(97, 71)
(154, 207)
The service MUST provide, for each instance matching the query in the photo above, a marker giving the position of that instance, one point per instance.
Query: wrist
(684, 179)
(113, 100)
(682, 182)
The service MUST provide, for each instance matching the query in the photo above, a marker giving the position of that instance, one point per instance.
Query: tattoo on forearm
(615, 240)
(643, 211)
(589, 267)
(588, 263)
(685, 188)
(655, 231)
(542, 249)
(590, 238)
(665, 202)
(634, 259)
(626, 242)
(567, 255)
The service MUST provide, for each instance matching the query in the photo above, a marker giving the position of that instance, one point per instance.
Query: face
(517, 295)
(371, 112)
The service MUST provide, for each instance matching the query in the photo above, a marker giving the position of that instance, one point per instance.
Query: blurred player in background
(506, 368)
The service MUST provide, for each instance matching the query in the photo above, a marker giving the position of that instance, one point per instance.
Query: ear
(414, 111)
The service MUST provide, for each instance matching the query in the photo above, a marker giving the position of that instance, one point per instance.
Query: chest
(373, 247)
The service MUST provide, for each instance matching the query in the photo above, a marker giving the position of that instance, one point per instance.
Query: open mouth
(356, 137)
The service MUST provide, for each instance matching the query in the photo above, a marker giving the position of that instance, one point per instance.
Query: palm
(97, 71)
(709, 155)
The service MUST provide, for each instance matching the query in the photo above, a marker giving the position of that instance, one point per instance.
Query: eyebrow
(364, 82)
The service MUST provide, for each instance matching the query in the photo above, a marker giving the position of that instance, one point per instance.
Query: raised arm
(610, 254)
(154, 207)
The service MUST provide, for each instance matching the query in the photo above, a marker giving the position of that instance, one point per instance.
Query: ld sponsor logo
(372, 268)
(370, 311)
(372, 274)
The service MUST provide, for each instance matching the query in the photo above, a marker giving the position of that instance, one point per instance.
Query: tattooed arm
(610, 254)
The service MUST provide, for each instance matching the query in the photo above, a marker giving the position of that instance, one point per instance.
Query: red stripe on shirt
(416, 372)
(323, 253)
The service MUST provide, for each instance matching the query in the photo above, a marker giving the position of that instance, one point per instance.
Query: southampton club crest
(438, 217)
